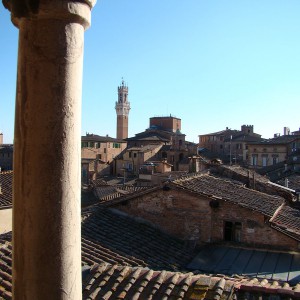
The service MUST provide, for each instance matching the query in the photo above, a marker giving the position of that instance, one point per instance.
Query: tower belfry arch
(122, 109)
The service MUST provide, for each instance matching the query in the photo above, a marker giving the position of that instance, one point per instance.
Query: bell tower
(122, 109)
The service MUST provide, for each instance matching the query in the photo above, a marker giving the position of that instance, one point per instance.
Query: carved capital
(75, 11)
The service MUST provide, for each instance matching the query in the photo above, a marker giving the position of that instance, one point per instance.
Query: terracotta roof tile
(99, 138)
(5, 266)
(116, 281)
(6, 179)
(141, 244)
(287, 220)
(122, 282)
(210, 186)
(109, 192)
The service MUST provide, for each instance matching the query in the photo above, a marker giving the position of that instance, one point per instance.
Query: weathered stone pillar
(46, 205)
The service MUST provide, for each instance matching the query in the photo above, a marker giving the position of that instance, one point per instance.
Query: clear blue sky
(213, 64)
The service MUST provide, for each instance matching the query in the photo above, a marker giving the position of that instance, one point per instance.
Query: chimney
(286, 131)
(286, 182)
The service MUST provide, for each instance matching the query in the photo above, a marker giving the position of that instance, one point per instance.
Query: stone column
(46, 190)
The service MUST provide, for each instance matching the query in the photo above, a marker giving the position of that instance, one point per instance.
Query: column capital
(75, 11)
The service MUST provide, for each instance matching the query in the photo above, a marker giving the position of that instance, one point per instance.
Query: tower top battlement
(123, 86)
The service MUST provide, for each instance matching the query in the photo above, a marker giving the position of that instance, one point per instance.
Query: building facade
(97, 155)
(162, 141)
(206, 209)
(169, 123)
(230, 145)
(273, 151)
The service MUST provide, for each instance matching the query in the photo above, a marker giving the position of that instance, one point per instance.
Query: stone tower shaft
(122, 109)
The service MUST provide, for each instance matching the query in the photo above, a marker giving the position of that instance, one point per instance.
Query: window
(98, 145)
(92, 145)
(275, 159)
(84, 144)
(254, 160)
(104, 150)
(264, 160)
(232, 231)
(134, 154)
(129, 154)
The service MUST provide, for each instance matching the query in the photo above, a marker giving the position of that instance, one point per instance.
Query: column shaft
(46, 205)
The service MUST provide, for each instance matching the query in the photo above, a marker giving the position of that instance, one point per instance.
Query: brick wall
(255, 230)
(191, 217)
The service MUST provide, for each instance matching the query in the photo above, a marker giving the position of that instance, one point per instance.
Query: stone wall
(190, 217)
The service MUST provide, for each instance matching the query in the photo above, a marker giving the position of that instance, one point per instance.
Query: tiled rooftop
(113, 238)
(250, 178)
(110, 236)
(113, 181)
(145, 149)
(152, 135)
(138, 261)
(287, 220)
(97, 138)
(106, 194)
(283, 139)
(5, 266)
(215, 187)
(237, 172)
(293, 181)
(6, 179)
(122, 282)
(242, 137)
(283, 217)
(222, 132)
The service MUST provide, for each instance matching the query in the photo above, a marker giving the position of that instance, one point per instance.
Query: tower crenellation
(122, 109)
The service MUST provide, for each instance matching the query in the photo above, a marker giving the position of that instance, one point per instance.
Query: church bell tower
(122, 109)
